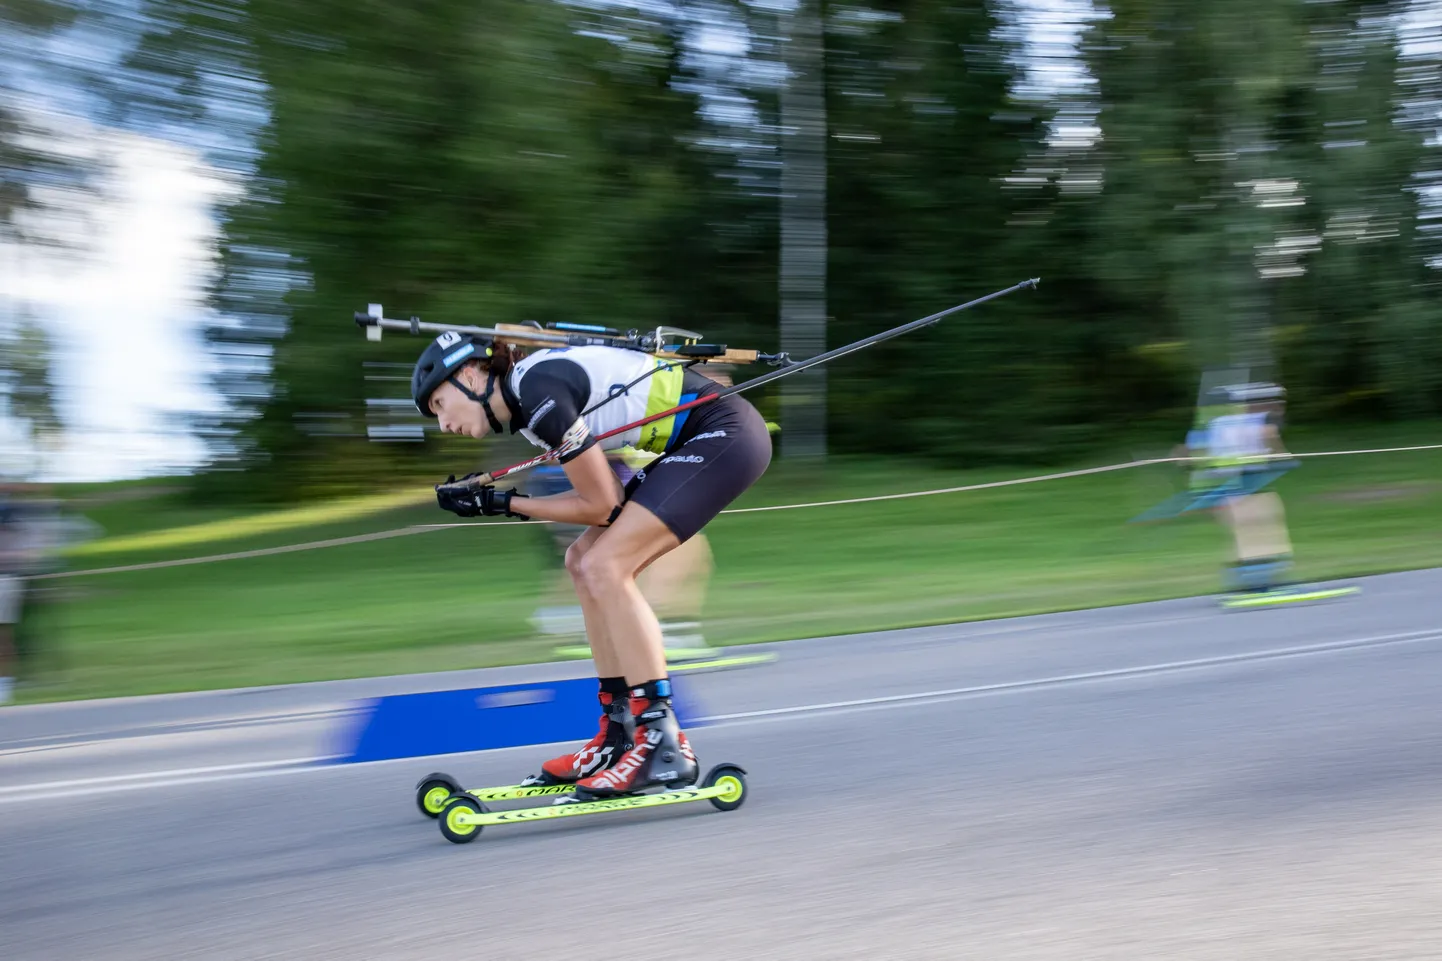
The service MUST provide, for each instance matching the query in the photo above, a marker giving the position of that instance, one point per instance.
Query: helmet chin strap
(483, 399)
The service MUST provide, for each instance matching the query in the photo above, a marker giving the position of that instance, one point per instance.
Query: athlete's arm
(554, 393)
(595, 496)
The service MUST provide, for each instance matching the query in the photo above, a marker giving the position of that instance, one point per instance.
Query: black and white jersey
(549, 390)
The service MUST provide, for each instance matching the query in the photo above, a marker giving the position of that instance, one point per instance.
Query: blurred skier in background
(1238, 450)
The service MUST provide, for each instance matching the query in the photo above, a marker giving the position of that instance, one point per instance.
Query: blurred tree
(1257, 202)
(50, 173)
(29, 387)
(802, 216)
(1363, 334)
(923, 129)
(1196, 184)
(525, 161)
(28, 159)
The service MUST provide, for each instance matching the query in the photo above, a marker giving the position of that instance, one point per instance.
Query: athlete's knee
(575, 554)
(599, 572)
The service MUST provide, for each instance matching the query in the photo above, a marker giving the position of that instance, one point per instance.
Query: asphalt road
(1157, 782)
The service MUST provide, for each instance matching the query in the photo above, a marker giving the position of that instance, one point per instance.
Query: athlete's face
(457, 413)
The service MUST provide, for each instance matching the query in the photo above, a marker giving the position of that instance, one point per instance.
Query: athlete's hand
(484, 501)
(456, 499)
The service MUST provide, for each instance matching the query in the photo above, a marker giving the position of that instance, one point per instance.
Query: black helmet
(439, 362)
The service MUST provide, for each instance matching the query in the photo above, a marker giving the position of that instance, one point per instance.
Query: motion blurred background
(195, 196)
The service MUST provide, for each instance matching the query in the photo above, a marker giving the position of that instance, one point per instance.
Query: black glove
(460, 502)
(476, 501)
(497, 503)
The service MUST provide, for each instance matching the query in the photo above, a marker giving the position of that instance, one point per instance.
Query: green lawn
(460, 597)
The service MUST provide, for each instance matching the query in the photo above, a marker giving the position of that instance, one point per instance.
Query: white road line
(60, 794)
(1037, 684)
(92, 782)
(132, 735)
(56, 790)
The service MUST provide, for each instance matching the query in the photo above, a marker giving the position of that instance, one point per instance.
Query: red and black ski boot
(611, 742)
(660, 757)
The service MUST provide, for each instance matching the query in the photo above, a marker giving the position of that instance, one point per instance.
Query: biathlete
(1238, 434)
(561, 399)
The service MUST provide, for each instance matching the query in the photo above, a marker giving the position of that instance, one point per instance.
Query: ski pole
(791, 367)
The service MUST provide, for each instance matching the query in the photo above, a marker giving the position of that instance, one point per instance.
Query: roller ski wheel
(453, 819)
(731, 780)
(434, 791)
(465, 816)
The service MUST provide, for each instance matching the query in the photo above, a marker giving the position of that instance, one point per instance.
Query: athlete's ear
(473, 377)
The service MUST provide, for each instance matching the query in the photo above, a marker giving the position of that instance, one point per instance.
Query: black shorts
(724, 450)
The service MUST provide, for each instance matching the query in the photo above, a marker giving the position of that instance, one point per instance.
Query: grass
(283, 521)
(461, 597)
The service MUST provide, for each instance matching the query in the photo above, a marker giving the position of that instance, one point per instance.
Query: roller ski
(465, 815)
(687, 650)
(1286, 594)
(557, 779)
(1262, 582)
(657, 769)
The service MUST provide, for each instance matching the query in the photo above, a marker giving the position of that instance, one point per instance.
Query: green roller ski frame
(465, 814)
(434, 792)
(1293, 596)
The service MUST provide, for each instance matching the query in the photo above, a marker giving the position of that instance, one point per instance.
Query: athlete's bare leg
(603, 651)
(605, 574)
(1259, 526)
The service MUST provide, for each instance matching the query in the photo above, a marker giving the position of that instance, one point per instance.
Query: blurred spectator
(45, 531)
(11, 563)
(34, 530)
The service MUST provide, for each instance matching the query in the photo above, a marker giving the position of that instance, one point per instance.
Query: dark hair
(503, 357)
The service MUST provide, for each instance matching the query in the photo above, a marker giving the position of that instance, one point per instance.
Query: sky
(123, 315)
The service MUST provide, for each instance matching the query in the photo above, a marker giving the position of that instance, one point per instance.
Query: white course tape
(953, 490)
(425, 528)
